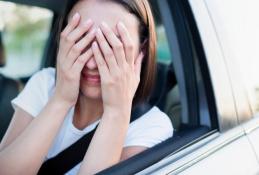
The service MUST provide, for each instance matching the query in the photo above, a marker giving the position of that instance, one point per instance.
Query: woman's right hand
(74, 40)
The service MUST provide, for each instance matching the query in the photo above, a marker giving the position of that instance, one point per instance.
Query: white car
(207, 83)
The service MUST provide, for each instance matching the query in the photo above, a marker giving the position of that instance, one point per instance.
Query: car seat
(173, 107)
(165, 94)
(9, 89)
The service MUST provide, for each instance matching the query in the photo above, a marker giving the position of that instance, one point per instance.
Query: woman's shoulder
(156, 114)
(44, 78)
(150, 129)
(155, 117)
(46, 73)
(36, 92)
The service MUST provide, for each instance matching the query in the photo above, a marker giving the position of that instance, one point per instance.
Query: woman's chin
(92, 92)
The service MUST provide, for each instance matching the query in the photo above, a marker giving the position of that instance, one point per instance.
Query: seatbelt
(68, 158)
(74, 154)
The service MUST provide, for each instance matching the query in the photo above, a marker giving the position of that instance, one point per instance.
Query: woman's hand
(72, 58)
(119, 71)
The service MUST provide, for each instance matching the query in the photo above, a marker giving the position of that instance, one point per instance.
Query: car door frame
(229, 131)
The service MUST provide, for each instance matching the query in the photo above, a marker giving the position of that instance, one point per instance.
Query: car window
(25, 30)
(182, 90)
(163, 52)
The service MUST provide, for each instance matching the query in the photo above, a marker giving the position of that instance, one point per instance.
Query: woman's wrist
(60, 104)
(123, 114)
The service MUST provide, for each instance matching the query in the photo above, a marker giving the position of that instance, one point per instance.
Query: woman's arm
(27, 152)
(130, 151)
(106, 146)
(19, 122)
(120, 75)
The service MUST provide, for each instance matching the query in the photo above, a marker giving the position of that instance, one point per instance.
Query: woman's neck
(87, 111)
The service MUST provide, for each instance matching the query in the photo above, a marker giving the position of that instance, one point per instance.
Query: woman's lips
(93, 79)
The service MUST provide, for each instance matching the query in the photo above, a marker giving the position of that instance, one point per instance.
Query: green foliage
(26, 32)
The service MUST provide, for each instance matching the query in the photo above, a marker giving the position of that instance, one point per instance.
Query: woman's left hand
(119, 69)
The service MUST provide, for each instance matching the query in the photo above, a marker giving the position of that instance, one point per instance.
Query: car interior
(166, 95)
(9, 89)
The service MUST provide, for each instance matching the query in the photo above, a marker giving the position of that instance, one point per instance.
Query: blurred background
(24, 33)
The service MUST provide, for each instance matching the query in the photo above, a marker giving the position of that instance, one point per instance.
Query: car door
(239, 38)
(229, 150)
(236, 156)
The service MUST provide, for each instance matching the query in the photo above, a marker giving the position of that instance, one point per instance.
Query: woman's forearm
(107, 143)
(26, 154)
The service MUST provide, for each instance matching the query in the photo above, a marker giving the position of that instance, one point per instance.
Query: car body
(214, 52)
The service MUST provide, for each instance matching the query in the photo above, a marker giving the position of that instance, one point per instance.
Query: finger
(71, 25)
(63, 47)
(116, 44)
(79, 47)
(107, 51)
(138, 64)
(81, 61)
(102, 66)
(76, 34)
(127, 43)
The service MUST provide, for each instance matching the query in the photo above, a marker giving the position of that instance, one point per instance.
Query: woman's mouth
(91, 79)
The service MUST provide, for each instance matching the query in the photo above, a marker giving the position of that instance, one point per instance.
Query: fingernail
(99, 31)
(93, 31)
(94, 44)
(76, 15)
(104, 25)
(120, 24)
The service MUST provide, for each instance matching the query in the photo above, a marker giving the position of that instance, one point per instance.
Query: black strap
(74, 154)
(68, 158)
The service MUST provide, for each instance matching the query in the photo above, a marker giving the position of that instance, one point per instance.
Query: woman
(105, 65)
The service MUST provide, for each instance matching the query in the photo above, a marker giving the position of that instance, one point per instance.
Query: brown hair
(142, 10)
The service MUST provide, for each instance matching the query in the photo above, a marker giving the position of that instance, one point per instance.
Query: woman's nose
(91, 64)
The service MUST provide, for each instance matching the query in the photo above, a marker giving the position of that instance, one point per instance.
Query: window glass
(163, 52)
(25, 30)
(239, 35)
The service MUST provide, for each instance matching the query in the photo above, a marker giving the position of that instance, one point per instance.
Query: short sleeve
(149, 130)
(35, 94)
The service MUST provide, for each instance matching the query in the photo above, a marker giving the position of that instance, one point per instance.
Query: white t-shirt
(150, 129)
